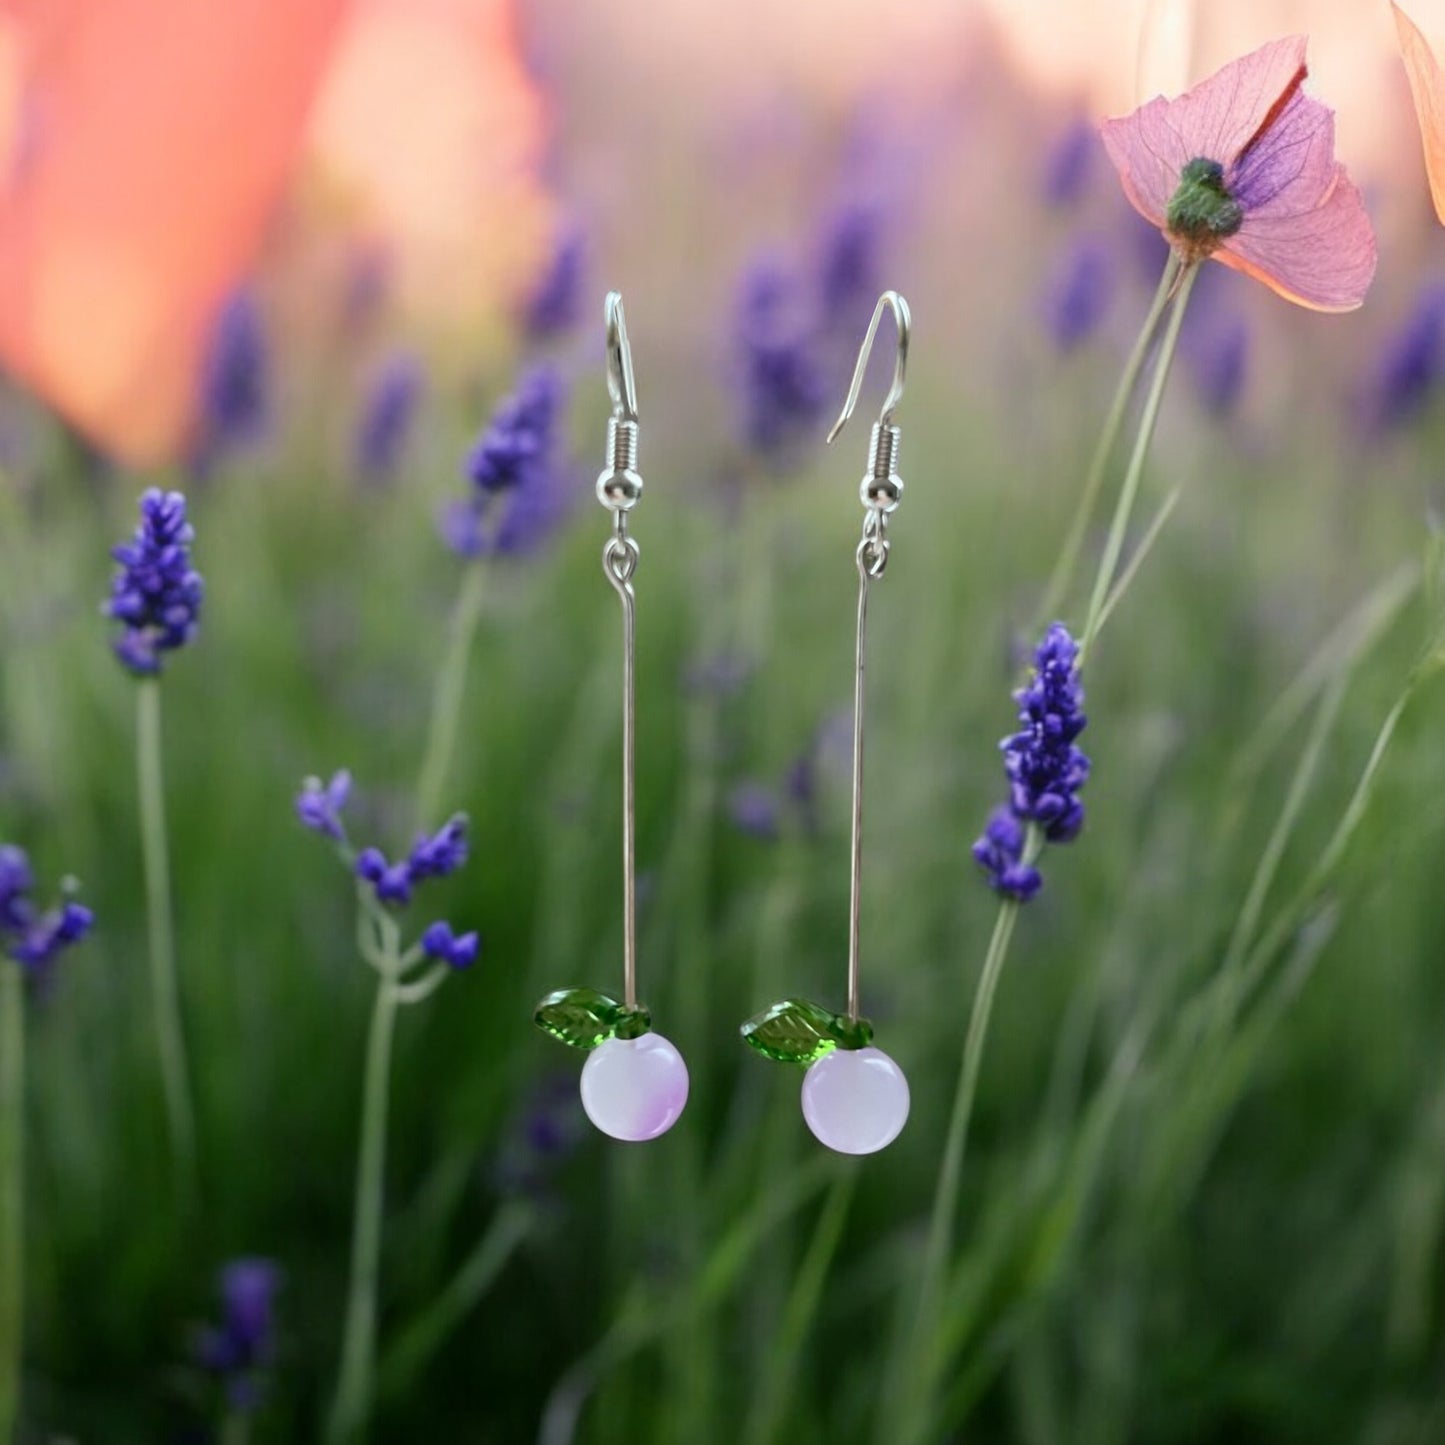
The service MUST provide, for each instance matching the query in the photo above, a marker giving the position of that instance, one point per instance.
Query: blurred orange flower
(1428, 89)
(142, 146)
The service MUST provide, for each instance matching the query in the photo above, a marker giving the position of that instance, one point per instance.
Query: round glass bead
(634, 1089)
(855, 1100)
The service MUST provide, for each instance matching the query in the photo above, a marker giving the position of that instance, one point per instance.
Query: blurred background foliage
(1189, 1214)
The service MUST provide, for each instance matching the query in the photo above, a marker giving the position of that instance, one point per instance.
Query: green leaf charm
(585, 1018)
(799, 1032)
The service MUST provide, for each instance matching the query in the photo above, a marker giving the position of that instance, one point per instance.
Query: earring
(855, 1098)
(634, 1083)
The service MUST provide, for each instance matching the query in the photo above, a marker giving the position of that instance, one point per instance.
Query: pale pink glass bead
(634, 1089)
(855, 1100)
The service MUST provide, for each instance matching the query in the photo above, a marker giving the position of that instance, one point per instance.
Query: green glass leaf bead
(581, 1017)
(633, 1023)
(797, 1031)
(585, 1018)
(852, 1033)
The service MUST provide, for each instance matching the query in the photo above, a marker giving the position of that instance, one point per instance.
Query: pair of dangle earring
(634, 1083)
(855, 1098)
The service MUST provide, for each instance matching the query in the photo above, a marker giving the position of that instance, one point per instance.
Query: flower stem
(165, 995)
(12, 1189)
(919, 1355)
(1062, 576)
(1123, 509)
(358, 1351)
(448, 695)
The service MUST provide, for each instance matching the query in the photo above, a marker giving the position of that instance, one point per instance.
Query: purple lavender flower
(233, 389)
(850, 265)
(16, 882)
(1044, 765)
(1080, 293)
(516, 501)
(433, 855)
(32, 938)
(391, 882)
(1045, 768)
(1070, 163)
(1000, 852)
(392, 398)
(519, 440)
(441, 853)
(319, 805)
(457, 951)
(239, 1348)
(753, 808)
(1411, 364)
(156, 595)
(1219, 358)
(556, 301)
(784, 379)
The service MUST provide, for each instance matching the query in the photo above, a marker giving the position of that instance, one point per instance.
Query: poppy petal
(1223, 114)
(1323, 258)
(1427, 86)
(1292, 168)
(1149, 154)
(1216, 120)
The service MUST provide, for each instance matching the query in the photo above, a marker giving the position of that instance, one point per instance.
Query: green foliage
(1200, 1204)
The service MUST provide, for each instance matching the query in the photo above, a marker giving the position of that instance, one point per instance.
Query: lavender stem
(165, 995)
(355, 1386)
(449, 694)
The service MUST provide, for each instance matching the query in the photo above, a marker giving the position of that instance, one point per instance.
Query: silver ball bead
(619, 490)
(882, 494)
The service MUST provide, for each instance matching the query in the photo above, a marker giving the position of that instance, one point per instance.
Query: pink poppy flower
(1242, 168)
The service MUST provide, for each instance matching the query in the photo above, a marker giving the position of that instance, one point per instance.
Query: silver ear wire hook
(882, 487)
(620, 485)
(880, 492)
(618, 489)
(620, 381)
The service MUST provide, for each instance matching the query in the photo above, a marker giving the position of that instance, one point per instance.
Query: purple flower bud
(517, 501)
(1220, 360)
(556, 301)
(1044, 765)
(440, 943)
(1070, 163)
(850, 264)
(156, 594)
(233, 403)
(999, 852)
(443, 852)
(388, 412)
(242, 1344)
(31, 938)
(391, 882)
(16, 882)
(1411, 364)
(1080, 293)
(784, 378)
(519, 440)
(319, 805)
